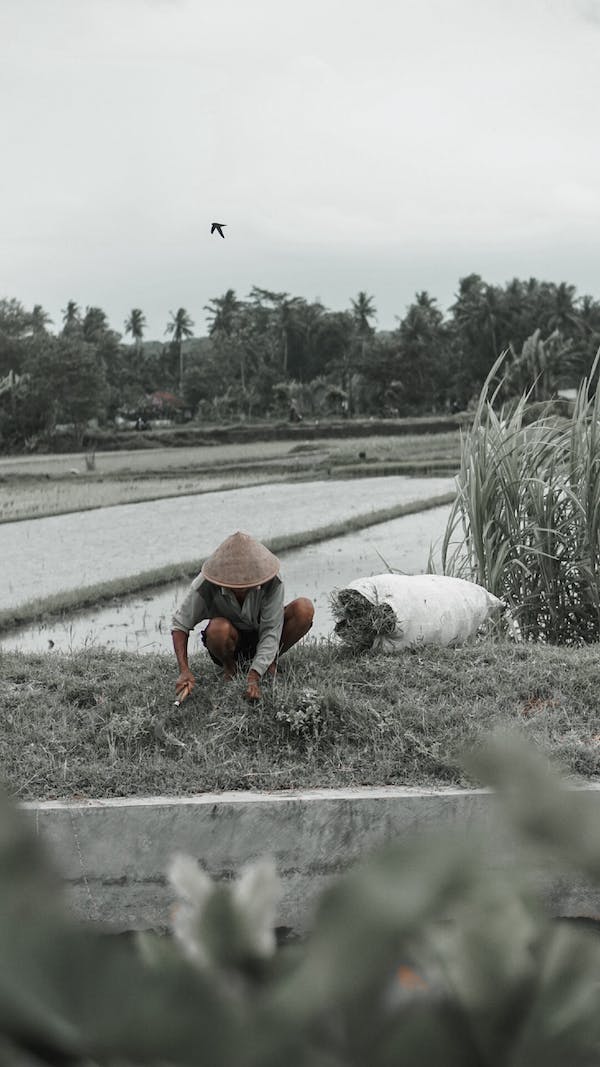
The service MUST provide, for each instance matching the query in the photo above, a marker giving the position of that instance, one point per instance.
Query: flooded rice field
(41, 557)
(141, 623)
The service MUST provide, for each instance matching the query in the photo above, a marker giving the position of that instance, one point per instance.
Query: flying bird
(218, 227)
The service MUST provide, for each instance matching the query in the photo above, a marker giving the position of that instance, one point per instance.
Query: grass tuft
(83, 725)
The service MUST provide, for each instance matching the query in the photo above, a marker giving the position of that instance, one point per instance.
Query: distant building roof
(162, 399)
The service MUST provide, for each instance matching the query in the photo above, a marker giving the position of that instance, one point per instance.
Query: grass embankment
(70, 599)
(35, 487)
(83, 725)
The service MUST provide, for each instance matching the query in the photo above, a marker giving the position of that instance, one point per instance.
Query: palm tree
(95, 324)
(221, 313)
(563, 316)
(181, 327)
(589, 315)
(71, 316)
(282, 316)
(289, 309)
(421, 356)
(362, 311)
(311, 317)
(39, 319)
(135, 325)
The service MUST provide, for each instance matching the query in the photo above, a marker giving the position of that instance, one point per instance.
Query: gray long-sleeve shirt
(262, 610)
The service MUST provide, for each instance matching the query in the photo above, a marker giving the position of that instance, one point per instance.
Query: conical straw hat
(240, 562)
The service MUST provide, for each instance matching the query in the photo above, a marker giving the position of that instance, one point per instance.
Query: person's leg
(221, 638)
(297, 620)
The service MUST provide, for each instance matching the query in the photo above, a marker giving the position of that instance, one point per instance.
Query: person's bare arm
(190, 611)
(186, 680)
(269, 636)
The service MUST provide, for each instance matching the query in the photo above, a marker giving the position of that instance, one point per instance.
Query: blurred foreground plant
(421, 955)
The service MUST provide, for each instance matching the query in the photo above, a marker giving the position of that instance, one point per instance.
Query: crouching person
(240, 591)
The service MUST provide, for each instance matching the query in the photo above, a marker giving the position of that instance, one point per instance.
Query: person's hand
(253, 692)
(184, 684)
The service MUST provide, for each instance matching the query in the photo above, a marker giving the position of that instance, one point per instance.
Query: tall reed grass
(526, 519)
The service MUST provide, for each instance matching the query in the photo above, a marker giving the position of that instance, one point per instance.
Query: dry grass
(359, 622)
(83, 724)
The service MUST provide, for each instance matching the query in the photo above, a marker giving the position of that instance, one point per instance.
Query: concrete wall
(114, 853)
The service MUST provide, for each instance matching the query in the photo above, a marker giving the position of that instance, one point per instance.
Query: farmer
(239, 590)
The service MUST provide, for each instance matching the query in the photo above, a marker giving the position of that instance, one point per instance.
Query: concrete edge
(113, 854)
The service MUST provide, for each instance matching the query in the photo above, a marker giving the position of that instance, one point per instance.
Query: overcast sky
(389, 146)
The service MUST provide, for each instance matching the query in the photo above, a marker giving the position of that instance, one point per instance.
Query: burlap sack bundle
(391, 611)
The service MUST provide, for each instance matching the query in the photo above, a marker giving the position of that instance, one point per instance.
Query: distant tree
(180, 327)
(15, 326)
(66, 383)
(588, 319)
(540, 368)
(311, 320)
(588, 325)
(422, 364)
(563, 315)
(379, 390)
(95, 324)
(363, 310)
(333, 344)
(222, 312)
(135, 325)
(281, 316)
(71, 317)
(476, 329)
(39, 319)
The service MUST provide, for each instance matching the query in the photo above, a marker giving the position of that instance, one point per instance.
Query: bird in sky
(218, 227)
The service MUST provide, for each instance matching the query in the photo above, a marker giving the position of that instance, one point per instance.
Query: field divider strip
(91, 595)
(291, 474)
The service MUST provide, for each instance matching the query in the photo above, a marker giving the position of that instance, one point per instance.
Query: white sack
(430, 609)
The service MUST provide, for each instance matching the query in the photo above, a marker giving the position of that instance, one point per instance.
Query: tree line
(271, 353)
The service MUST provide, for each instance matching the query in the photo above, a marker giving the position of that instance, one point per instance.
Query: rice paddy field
(37, 486)
(141, 622)
(61, 496)
(62, 560)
